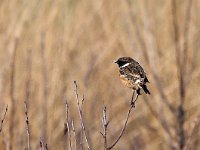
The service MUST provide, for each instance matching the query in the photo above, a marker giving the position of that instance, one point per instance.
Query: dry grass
(46, 45)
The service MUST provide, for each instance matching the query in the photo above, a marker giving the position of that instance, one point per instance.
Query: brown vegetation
(46, 45)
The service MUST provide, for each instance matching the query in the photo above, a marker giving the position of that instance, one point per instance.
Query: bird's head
(122, 61)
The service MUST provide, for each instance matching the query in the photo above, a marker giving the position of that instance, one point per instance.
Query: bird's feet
(133, 104)
(138, 92)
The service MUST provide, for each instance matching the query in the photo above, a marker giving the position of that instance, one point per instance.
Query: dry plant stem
(181, 59)
(126, 121)
(27, 126)
(68, 127)
(2, 120)
(81, 139)
(43, 146)
(74, 131)
(80, 115)
(105, 126)
(81, 133)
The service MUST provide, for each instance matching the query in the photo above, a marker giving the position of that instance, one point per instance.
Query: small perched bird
(132, 74)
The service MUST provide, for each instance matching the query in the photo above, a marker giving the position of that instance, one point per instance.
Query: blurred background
(47, 44)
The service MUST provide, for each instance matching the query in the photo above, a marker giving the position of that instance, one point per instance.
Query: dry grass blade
(80, 114)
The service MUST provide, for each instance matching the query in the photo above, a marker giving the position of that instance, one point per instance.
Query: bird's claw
(133, 104)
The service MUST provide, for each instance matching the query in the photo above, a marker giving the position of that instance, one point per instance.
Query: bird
(132, 74)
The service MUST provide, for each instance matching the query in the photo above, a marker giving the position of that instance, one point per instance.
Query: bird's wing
(135, 68)
(130, 72)
(134, 71)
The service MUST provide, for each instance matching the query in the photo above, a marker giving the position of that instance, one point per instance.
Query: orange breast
(128, 83)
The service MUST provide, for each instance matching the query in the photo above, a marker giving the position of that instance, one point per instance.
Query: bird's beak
(114, 61)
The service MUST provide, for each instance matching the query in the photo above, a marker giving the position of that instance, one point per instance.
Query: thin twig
(81, 132)
(81, 139)
(80, 115)
(2, 120)
(43, 145)
(105, 126)
(46, 147)
(74, 131)
(132, 105)
(67, 125)
(27, 126)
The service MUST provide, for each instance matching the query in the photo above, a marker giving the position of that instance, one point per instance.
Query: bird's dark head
(123, 61)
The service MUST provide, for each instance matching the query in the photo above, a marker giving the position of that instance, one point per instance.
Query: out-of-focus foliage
(49, 44)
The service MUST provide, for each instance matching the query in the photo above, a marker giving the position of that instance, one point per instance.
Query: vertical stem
(67, 124)
(27, 126)
(74, 131)
(126, 121)
(105, 126)
(80, 115)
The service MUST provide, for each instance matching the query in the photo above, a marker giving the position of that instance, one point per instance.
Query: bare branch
(80, 114)
(74, 131)
(105, 126)
(43, 146)
(132, 105)
(27, 126)
(2, 120)
(67, 128)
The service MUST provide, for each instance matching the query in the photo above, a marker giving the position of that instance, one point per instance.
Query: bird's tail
(144, 87)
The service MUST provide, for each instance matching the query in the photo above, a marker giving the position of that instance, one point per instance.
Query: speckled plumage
(132, 74)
